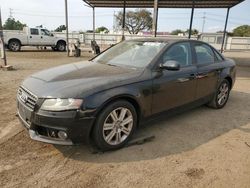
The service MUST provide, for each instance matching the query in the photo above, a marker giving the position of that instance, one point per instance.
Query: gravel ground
(199, 148)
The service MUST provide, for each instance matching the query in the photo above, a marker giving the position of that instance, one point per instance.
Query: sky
(50, 14)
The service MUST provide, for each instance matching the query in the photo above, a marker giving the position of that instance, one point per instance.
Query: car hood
(79, 79)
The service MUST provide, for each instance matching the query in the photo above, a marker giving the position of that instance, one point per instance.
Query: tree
(177, 31)
(12, 24)
(101, 29)
(242, 31)
(193, 32)
(135, 21)
(60, 28)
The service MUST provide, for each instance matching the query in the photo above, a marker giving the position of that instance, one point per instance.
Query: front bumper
(44, 126)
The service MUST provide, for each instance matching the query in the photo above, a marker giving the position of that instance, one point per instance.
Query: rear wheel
(221, 97)
(14, 45)
(61, 46)
(115, 125)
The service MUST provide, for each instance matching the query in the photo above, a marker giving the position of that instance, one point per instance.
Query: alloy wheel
(14, 46)
(223, 94)
(118, 126)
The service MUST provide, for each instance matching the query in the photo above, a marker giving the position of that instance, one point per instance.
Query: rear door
(34, 37)
(208, 70)
(175, 88)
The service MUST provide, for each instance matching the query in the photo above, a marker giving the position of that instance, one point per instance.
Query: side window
(34, 31)
(180, 52)
(204, 54)
(45, 32)
(218, 57)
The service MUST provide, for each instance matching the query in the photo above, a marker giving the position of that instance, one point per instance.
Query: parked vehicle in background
(107, 97)
(14, 40)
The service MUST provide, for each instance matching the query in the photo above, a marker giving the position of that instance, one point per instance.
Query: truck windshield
(131, 53)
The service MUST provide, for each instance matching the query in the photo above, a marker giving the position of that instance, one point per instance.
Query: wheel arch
(14, 39)
(62, 41)
(127, 97)
(230, 80)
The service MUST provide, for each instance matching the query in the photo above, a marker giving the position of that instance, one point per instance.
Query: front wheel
(61, 46)
(115, 125)
(221, 96)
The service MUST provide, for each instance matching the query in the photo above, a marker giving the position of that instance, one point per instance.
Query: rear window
(218, 57)
(204, 54)
(34, 31)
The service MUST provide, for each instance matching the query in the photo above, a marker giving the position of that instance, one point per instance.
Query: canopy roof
(164, 3)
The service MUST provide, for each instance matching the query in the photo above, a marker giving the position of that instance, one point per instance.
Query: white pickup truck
(32, 37)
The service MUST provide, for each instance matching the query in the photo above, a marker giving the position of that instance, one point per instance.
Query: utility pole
(11, 13)
(2, 39)
(114, 22)
(67, 25)
(204, 21)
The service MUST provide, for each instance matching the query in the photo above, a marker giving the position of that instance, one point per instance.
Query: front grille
(28, 98)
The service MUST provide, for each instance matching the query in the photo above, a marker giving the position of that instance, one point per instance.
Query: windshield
(131, 53)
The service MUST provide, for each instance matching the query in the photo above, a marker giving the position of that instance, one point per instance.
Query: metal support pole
(191, 22)
(155, 19)
(93, 23)
(67, 25)
(225, 30)
(2, 39)
(123, 19)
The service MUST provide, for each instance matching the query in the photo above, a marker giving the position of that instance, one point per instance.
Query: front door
(175, 88)
(47, 38)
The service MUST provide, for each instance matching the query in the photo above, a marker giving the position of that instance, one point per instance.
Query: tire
(61, 46)
(14, 45)
(115, 125)
(221, 96)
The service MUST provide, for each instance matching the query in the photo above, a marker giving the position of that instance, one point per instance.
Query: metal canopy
(156, 4)
(164, 3)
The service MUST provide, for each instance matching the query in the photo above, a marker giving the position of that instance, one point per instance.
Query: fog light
(63, 135)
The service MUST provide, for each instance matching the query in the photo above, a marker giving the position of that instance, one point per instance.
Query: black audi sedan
(104, 99)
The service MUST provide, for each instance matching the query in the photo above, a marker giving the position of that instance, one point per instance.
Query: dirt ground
(198, 148)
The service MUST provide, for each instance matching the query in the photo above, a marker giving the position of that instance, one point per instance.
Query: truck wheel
(61, 46)
(14, 45)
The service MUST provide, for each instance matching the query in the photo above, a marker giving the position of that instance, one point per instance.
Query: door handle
(218, 70)
(185, 79)
(192, 76)
(201, 75)
(30, 36)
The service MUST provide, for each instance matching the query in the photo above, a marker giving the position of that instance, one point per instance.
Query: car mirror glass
(170, 65)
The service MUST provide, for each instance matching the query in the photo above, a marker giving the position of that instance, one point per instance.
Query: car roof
(160, 39)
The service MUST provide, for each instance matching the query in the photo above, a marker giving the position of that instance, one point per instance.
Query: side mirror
(170, 65)
(51, 34)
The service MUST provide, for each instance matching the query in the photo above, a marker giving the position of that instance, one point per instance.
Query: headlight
(61, 104)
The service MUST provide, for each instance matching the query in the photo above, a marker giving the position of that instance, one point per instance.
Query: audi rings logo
(22, 96)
